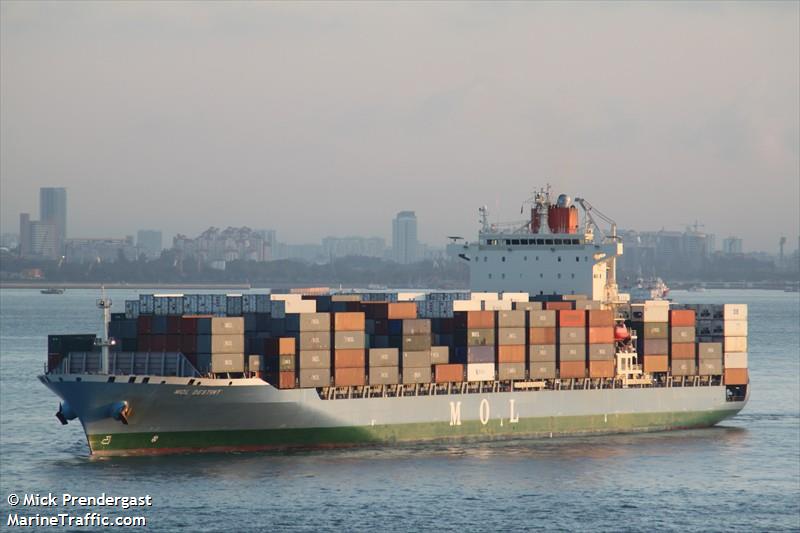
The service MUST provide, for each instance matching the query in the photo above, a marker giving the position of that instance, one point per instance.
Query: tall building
(24, 234)
(731, 246)
(404, 237)
(53, 210)
(149, 243)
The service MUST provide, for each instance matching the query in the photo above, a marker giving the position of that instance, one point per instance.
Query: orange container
(681, 318)
(656, 363)
(735, 376)
(350, 358)
(683, 350)
(474, 319)
(600, 317)
(349, 321)
(286, 380)
(447, 373)
(280, 346)
(601, 369)
(511, 354)
(402, 310)
(572, 369)
(571, 319)
(601, 335)
(559, 305)
(542, 336)
(349, 377)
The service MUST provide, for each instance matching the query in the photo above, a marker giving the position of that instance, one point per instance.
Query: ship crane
(588, 209)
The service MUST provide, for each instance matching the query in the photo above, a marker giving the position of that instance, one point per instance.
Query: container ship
(542, 345)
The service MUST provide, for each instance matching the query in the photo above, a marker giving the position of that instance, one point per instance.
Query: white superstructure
(547, 254)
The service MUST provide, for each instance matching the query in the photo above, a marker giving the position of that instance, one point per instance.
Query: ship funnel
(65, 413)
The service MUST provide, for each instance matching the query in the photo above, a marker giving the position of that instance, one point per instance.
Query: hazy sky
(327, 119)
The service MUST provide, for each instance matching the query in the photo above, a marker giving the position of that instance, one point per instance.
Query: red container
(559, 306)
(448, 373)
(542, 336)
(599, 318)
(173, 325)
(172, 343)
(158, 343)
(144, 343)
(682, 318)
(144, 324)
(601, 369)
(349, 377)
(572, 369)
(571, 319)
(351, 358)
(401, 310)
(348, 321)
(473, 319)
(188, 343)
(736, 376)
(279, 346)
(656, 363)
(286, 379)
(601, 335)
(511, 354)
(683, 350)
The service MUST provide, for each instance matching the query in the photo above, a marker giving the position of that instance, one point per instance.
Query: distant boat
(52, 290)
(648, 289)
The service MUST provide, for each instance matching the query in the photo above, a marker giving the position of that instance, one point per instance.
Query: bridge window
(575, 241)
(539, 241)
(508, 242)
(515, 241)
(559, 259)
(548, 241)
(557, 241)
(503, 259)
(577, 259)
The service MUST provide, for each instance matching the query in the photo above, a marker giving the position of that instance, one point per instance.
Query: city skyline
(653, 123)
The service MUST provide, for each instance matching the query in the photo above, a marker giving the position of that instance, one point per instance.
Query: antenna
(104, 304)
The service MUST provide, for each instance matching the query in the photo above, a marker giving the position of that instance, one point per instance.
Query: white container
(735, 344)
(734, 311)
(656, 311)
(483, 296)
(516, 296)
(286, 297)
(300, 306)
(467, 305)
(497, 305)
(480, 372)
(736, 360)
(735, 328)
(410, 296)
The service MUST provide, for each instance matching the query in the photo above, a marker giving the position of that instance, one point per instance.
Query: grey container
(417, 342)
(542, 353)
(255, 363)
(511, 336)
(654, 347)
(417, 326)
(417, 375)
(527, 306)
(709, 350)
(511, 319)
(543, 370)
(416, 359)
(683, 367)
(308, 322)
(315, 340)
(227, 344)
(542, 319)
(655, 330)
(349, 339)
(315, 377)
(440, 355)
(710, 367)
(480, 337)
(384, 375)
(384, 357)
(572, 335)
(511, 371)
(314, 359)
(227, 363)
(682, 334)
(601, 352)
(572, 352)
(480, 354)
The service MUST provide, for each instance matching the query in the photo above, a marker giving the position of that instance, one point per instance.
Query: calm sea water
(742, 475)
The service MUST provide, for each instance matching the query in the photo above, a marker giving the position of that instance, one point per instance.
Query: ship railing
(128, 363)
